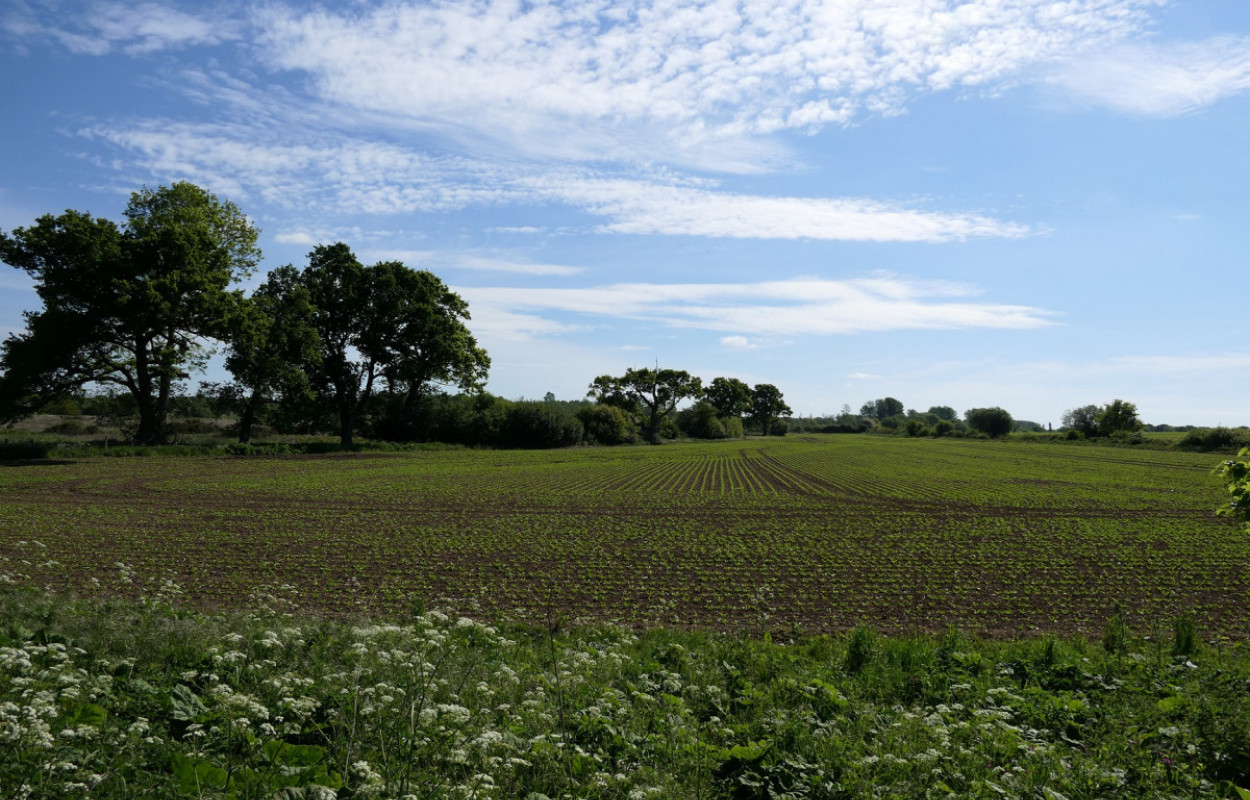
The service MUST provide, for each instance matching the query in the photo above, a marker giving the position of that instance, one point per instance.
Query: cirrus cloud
(799, 307)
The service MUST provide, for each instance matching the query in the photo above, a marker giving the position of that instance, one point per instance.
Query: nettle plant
(1236, 475)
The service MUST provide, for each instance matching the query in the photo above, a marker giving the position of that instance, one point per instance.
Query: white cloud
(738, 343)
(680, 77)
(483, 264)
(298, 237)
(336, 174)
(102, 28)
(648, 208)
(811, 306)
(1160, 79)
(525, 229)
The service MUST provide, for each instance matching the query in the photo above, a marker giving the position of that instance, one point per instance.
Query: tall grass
(140, 698)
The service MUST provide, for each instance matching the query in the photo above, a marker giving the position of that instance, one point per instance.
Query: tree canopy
(384, 327)
(1092, 420)
(652, 392)
(729, 396)
(128, 305)
(993, 422)
(272, 343)
(767, 406)
(882, 408)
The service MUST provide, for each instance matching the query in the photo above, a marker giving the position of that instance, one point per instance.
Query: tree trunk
(151, 423)
(248, 417)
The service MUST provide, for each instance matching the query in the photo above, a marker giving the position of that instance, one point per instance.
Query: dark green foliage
(730, 397)
(702, 421)
(860, 650)
(126, 306)
(1236, 476)
(993, 422)
(1115, 639)
(917, 427)
(654, 392)
(846, 422)
(1184, 637)
(385, 327)
(1117, 417)
(882, 408)
(767, 408)
(608, 425)
(272, 347)
(533, 425)
(944, 412)
(1083, 420)
(1219, 439)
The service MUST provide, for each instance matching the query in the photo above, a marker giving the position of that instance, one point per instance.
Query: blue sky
(1034, 205)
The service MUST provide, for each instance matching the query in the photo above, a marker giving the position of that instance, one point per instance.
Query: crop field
(818, 533)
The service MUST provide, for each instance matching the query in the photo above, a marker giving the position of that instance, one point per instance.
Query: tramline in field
(818, 532)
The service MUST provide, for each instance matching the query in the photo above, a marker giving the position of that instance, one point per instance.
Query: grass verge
(142, 699)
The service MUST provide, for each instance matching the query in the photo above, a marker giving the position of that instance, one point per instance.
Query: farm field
(814, 533)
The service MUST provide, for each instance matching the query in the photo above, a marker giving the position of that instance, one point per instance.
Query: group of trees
(134, 308)
(650, 396)
(137, 307)
(888, 414)
(1117, 417)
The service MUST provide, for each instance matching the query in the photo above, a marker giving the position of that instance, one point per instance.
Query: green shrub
(67, 427)
(607, 425)
(700, 421)
(1207, 440)
(23, 451)
(916, 427)
(535, 426)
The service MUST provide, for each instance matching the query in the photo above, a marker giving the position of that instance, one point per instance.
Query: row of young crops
(814, 533)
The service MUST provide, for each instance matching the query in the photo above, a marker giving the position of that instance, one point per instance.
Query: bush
(22, 451)
(700, 422)
(535, 426)
(733, 428)
(68, 427)
(1206, 440)
(917, 427)
(64, 406)
(779, 428)
(992, 422)
(607, 425)
(669, 429)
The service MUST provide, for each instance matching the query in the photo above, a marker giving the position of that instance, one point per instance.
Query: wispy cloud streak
(800, 307)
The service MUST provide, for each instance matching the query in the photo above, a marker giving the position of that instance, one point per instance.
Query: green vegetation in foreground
(134, 699)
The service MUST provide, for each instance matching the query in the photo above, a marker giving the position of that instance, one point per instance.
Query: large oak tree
(656, 392)
(130, 305)
(385, 327)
